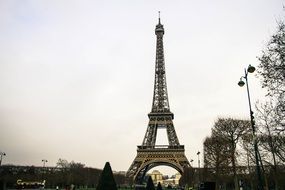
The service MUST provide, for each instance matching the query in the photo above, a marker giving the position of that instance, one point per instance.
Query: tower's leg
(171, 134)
(150, 136)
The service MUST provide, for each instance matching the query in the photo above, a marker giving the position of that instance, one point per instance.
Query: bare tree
(248, 156)
(231, 130)
(216, 158)
(62, 163)
(266, 125)
(272, 73)
(270, 139)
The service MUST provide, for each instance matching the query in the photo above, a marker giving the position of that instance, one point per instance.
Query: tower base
(152, 156)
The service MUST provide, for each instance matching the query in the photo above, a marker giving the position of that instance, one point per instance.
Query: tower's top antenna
(159, 27)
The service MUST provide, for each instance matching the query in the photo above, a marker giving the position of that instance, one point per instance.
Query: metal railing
(162, 147)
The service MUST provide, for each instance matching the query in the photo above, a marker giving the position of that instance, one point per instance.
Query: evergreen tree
(159, 186)
(107, 181)
(150, 185)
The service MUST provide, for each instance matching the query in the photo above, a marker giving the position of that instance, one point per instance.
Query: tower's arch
(154, 163)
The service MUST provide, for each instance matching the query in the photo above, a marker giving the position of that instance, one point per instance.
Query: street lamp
(44, 162)
(191, 161)
(1, 156)
(198, 154)
(241, 83)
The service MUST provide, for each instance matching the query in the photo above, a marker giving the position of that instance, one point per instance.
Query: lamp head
(251, 69)
(241, 83)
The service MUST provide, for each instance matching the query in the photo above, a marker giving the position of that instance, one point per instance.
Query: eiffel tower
(149, 154)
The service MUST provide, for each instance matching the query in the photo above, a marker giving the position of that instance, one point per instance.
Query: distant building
(158, 177)
(173, 181)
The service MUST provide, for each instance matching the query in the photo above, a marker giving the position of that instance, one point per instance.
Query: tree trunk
(234, 168)
(274, 160)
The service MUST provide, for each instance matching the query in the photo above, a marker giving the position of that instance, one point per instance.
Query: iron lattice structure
(149, 154)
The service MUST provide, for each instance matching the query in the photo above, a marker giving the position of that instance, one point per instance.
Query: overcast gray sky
(76, 77)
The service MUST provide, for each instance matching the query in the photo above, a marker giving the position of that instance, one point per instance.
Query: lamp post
(191, 161)
(198, 154)
(1, 156)
(44, 162)
(251, 69)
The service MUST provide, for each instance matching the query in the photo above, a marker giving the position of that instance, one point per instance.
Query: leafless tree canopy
(272, 74)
